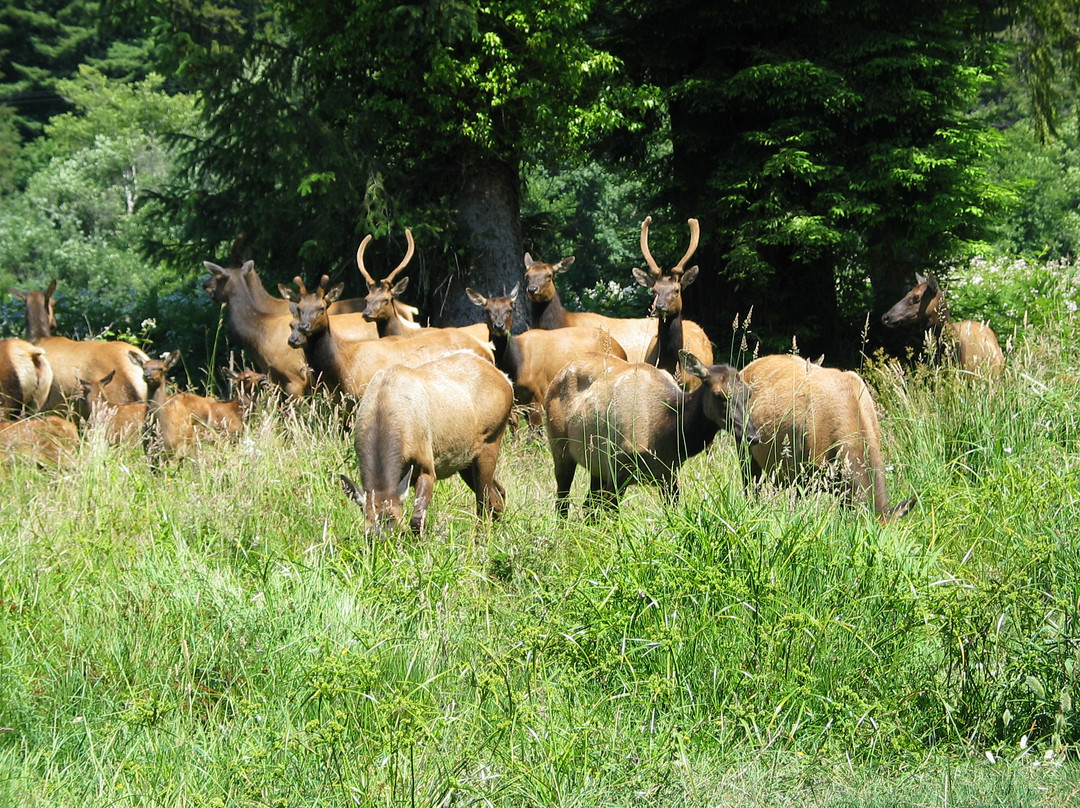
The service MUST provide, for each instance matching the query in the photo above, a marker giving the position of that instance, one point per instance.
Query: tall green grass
(221, 632)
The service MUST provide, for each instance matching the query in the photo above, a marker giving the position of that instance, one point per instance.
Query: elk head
(310, 310)
(383, 511)
(498, 311)
(154, 370)
(726, 399)
(379, 303)
(925, 303)
(223, 281)
(540, 278)
(40, 311)
(667, 289)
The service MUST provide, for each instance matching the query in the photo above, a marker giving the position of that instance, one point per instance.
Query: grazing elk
(809, 417)
(425, 423)
(382, 305)
(532, 359)
(975, 344)
(25, 378)
(623, 422)
(346, 365)
(47, 440)
(673, 334)
(73, 360)
(638, 337)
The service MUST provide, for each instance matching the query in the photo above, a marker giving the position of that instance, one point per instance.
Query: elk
(47, 440)
(810, 417)
(420, 424)
(176, 425)
(975, 344)
(638, 337)
(25, 378)
(346, 365)
(382, 306)
(532, 359)
(625, 422)
(672, 333)
(73, 360)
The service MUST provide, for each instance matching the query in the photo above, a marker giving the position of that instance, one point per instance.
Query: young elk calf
(124, 423)
(975, 343)
(809, 417)
(623, 422)
(419, 424)
(532, 359)
(47, 440)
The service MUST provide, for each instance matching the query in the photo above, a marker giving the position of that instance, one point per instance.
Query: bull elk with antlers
(74, 360)
(975, 344)
(346, 365)
(643, 339)
(420, 424)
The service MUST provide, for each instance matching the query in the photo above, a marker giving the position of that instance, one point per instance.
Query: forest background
(830, 151)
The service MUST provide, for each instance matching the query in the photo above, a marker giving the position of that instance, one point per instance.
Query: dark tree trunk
(488, 220)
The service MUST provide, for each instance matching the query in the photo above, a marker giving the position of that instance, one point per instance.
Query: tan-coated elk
(45, 440)
(345, 366)
(974, 344)
(177, 425)
(531, 359)
(811, 418)
(124, 423)
(673, 334)
(639, 337)
(626, 422)
(74, 360)
(25, 378)
(382, 304)
(420, 424)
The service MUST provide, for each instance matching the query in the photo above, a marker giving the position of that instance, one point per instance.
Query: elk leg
(490, 495)
(564, 478)
(425, 487)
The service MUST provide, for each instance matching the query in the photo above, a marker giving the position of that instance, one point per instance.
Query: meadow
(222, 632)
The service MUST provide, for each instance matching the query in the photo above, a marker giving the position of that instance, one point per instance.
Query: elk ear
(689, 276)
(476, 298)
(564, 264)
(646, 279)
(247, 267)
(528, 260)
(106, 379)
(352, 490)
(51, 289)
(334, 292)
(919, 278)
(514, 292)
(229, 373)
(288, 293)
(399, 287)
(213, 268)
(171, 360)
(19, 293)
(931, 283)
(403, 486)
(692, 365)
(136, 359)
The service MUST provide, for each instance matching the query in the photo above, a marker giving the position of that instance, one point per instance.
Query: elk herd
(626, 400)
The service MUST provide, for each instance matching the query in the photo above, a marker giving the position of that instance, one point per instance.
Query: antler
(654, 268)
(695, 234)
(406, 259)
(300, 285)
(360, 260)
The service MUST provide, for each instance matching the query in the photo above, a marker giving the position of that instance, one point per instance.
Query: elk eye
(915, 298)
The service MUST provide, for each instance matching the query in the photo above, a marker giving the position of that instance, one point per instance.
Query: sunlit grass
(221, 632)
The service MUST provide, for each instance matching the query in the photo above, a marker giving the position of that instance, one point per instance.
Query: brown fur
(74, 360)
(636, 336)
(426, 423)
(975, 344)
(346, 365)
(47, 440)
(25, 378)
(532, 359)
(808, 417)
(624, 422)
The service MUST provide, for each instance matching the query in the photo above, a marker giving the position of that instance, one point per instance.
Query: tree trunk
(488, 219)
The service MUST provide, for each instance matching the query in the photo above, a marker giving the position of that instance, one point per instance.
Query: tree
(328, 121)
